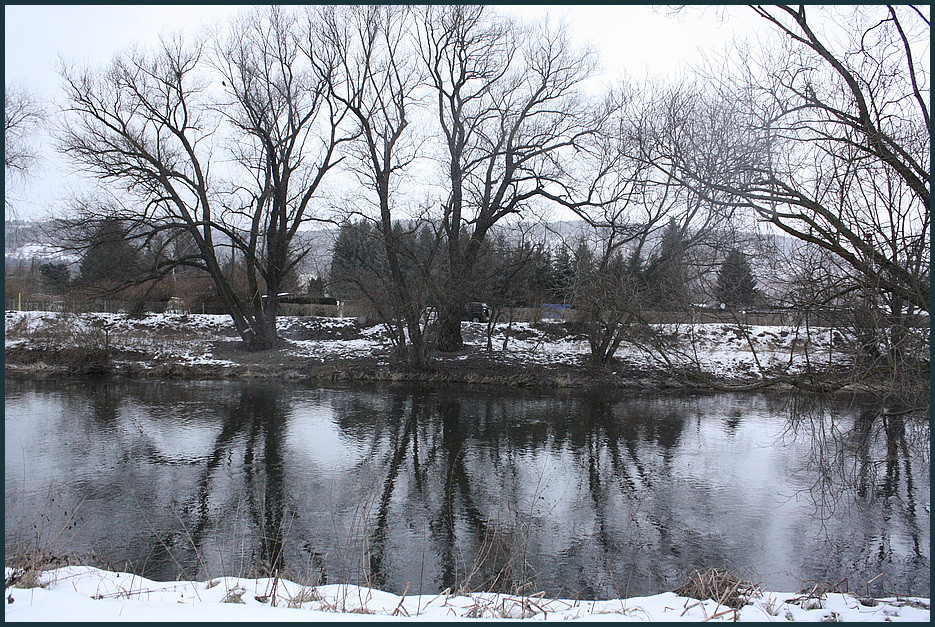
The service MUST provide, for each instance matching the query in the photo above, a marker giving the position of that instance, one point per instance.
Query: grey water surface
(419, 489)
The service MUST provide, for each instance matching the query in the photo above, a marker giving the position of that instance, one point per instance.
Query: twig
(688, 607)
(400, 608)
(719, 614)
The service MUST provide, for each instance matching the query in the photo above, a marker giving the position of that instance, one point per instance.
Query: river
(420, 489)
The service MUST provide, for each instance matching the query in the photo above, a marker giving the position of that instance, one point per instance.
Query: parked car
(472, 312)
(476, 312)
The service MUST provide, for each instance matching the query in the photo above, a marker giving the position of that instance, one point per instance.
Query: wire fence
(100, 306)
(790, 317)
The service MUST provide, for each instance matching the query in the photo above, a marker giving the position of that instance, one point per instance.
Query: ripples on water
(582, 496)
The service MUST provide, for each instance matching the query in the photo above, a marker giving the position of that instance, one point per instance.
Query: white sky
(632, 41)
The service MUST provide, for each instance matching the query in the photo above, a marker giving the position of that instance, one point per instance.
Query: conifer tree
(55, 277)
(563, 273)
(109, 256)
(665, 274)
(735, 282)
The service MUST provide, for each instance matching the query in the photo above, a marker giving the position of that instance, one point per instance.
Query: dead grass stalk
(719, 585)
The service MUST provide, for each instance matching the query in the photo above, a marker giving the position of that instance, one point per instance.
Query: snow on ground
(30, 252)
(718, 349)
(80, 593)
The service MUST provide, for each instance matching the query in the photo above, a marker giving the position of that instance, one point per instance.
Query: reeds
(721, 586)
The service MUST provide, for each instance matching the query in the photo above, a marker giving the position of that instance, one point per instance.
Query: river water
(427, 488)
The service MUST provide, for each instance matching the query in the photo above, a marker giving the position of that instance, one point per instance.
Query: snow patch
(81, 593)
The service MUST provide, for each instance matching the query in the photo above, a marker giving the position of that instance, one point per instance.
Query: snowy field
(79, 593)
(721, 350)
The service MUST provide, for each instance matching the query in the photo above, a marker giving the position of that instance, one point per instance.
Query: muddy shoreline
(462, 368)
(470, 367)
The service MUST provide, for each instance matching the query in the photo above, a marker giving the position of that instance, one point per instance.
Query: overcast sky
(632, 41)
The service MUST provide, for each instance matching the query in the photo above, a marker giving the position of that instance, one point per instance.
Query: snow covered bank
(547, 353)
(79, 593)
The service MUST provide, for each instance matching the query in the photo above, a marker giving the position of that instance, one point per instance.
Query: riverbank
(545, 354)
(80, 593)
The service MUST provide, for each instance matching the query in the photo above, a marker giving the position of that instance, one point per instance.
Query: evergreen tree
(55, 277)
(315, 287)
(584, 271)
(563, 275)
(735, 282)
(665, 274)
(583, 258)
(539, 274)
(110, 256)
(358, 260)
(520, 275)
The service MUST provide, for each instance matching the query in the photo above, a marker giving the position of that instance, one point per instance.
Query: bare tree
(287, 135)
(376, 80)
(153, 126)
(829, 143)
(648, 232)
(626, 208)
(510, 110)
(22, 116)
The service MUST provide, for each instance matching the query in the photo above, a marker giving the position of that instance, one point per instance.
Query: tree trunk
(896, 324)
(266, 337)
(416, 351)
(449, 330)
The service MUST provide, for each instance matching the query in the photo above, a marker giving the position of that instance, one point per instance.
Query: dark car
(476, 312)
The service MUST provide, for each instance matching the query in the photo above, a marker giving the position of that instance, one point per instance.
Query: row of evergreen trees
(524, 274)
(520, 274)
(111, 258)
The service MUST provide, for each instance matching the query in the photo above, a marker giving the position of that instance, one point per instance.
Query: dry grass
(304, 595)
(51, 530)
(24, 578)
(26, 570)
(359, 610)
(64, 341)
(721, 586)
(497, 606)
(493, 566)
(234, 595)
(812, 596)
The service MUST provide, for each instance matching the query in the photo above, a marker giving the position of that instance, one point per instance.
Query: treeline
(424, 131)
(525, 273)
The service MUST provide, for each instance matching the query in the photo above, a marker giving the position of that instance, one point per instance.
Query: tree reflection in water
(866, 471)
(578, 495)
(252, 431)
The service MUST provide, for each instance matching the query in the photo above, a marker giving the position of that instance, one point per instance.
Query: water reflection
(434, 488)
(871, 464)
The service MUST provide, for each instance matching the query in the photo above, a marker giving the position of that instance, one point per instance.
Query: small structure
(176, 305)
(556, 311)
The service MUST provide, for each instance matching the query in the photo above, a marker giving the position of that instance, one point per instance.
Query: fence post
(19, 301)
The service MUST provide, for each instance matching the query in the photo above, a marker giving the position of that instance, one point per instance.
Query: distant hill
(19, 233)
(27, 242)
